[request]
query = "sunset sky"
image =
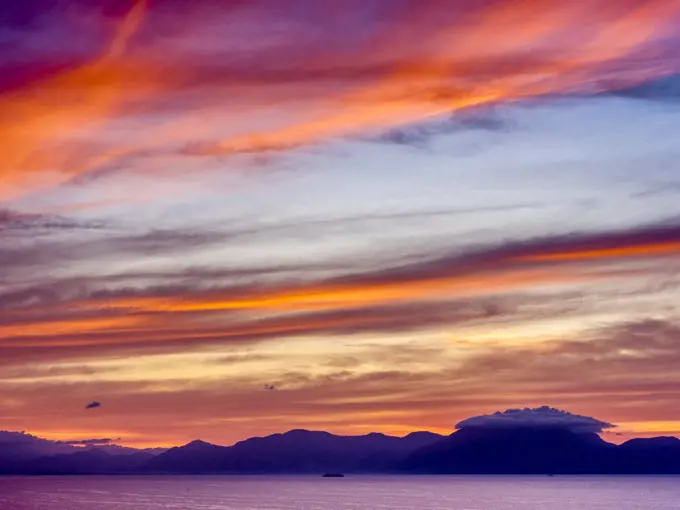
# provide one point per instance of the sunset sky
(227, 218)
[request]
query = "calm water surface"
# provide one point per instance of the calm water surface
(355, 493)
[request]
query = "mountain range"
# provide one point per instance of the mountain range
(472, 450)
(296, 451)
(22, 453)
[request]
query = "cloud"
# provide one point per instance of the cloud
(29, 250)
(420, 134)
(10, 438)
(655, 190)
(494, 283)
(24, 445)
(81, 335)
(648, 349)
(93, 405)
(90, 442)
(536, 418)
(11, 220)
(101, 244)
(310, 80)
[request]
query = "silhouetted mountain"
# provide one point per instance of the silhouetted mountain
(522, 450)
(652, 443)
(22, 453)
(483, 445)
(296, 451)
(657, 455)
(88, 462)
(543, 450)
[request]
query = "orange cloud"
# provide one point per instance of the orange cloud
(443, 78)
(339, 296)
(66, 327)
(44, 127)
(60, 127)
(230, 316)
(645, 250)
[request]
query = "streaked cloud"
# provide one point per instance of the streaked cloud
(148, 93)
(466, 285)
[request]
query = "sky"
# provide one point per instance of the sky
(231, 218)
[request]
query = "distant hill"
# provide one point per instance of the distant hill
(543, 450)
(296, 451)
(513, 451)
(657, 455)
(89, 461)
(22, 453)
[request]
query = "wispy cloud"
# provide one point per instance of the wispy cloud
(172, 93)
(37, 223)
(90, 442)
(467, 285)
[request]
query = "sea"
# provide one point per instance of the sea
(349, 493)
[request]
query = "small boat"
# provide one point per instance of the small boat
(333, 475)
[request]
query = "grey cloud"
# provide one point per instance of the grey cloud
(419, 135)
(516, 254)
(170, 282)
(90, 442)
(35, 253)
(31, 255)
(11, 220)
(536, 418)
(668, 188)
